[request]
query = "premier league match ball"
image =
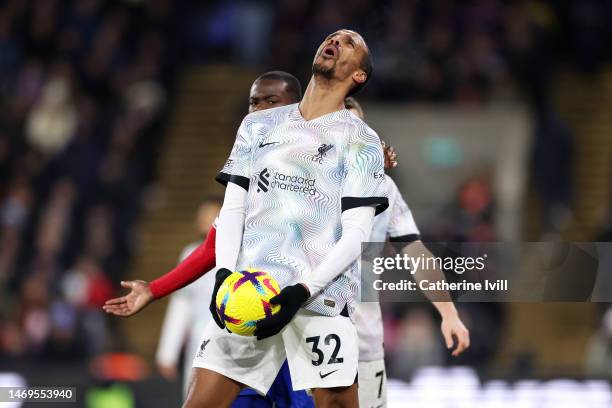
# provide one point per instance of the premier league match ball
(244, 299)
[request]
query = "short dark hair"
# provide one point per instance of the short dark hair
(293, 84)
(366, 66)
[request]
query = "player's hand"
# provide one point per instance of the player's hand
(453, 329)
(390, 155)
(290, 300)
(139, 297)
(220, 276)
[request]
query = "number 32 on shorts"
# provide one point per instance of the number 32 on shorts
(333, 343)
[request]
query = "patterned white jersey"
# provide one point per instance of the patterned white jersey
(300, 176)
(395, 224)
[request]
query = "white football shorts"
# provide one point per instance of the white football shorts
(322, 352)
(372, 384)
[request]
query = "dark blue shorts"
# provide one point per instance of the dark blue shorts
(281, 394)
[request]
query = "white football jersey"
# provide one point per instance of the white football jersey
(395, 224)
(199, 294)
(300, 176)
(185, 320)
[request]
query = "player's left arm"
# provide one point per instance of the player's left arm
(361, 201)
(356, 228)
(456, 335)
(402, 228)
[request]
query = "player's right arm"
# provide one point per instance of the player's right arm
(235, 175)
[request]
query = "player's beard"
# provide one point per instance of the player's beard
(327, 73)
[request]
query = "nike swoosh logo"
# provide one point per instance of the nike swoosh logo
(266, 144)
(325, 375)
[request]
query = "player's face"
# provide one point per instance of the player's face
(340, 55)
(269, 93)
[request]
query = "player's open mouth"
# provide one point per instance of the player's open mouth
(330, 51)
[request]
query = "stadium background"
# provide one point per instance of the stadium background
(116, 115)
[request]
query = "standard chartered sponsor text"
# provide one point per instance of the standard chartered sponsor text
(294, 183)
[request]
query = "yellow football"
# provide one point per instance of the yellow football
(244, 299)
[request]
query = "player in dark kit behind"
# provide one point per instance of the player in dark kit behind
(274, 89)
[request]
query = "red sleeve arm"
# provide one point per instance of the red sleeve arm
(201, 260)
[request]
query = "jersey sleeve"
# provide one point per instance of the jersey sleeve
(237, 168)
(402, 227)
(365, 175)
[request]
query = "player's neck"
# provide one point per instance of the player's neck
(320, 98)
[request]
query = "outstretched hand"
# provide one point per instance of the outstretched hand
(453, 329)
(139, 297)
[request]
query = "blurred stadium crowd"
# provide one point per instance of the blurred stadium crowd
(85, 89)
(442, 50)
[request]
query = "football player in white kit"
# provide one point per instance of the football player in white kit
(303, 184)
(184, 315)
(395, 224)
(184, 320)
